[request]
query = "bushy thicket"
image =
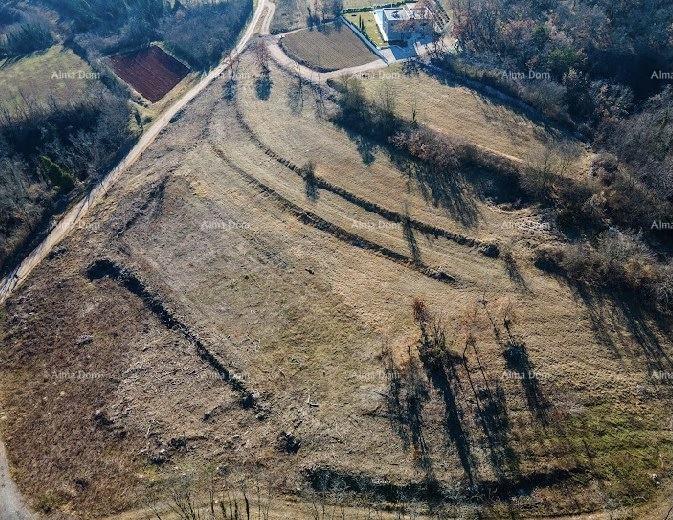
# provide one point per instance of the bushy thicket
(48, 151)
(9, 16)
(614, 261)
(644, 142)
(548, 97)
(22, 33)
(202, 34)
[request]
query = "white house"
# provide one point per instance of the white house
(399, 23)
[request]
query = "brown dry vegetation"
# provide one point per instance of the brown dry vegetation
(500, 380)
(326, 48)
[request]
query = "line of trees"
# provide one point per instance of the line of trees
(613, 210)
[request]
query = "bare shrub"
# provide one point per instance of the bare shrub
(420, 310)
(615, 261)
(208, 499)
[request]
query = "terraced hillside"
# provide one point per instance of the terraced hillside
(267, 296)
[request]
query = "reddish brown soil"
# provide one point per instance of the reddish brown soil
(151, 71)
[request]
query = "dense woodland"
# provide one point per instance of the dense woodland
(604, 59)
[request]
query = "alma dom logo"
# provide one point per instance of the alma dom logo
(660, 225)
(658, 74)
(74, 74)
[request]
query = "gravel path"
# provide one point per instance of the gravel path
(11, 503)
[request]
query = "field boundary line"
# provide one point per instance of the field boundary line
(371, 207)
(312, 219)
(131, 282)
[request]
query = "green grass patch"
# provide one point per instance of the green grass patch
(367, 21)
(56, 73)
(624, 450)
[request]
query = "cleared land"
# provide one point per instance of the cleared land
(371, 29)
(213, 255)
(327, 48)
(151, 71)
(56, 73)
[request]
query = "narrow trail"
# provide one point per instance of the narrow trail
(70, 219)
(284, 61)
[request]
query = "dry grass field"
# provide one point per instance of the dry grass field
(327, 48)
(56, 73)
(460, 111)
(219, 310)
(290, 15)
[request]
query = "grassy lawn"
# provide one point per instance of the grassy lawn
(55, 73)
(371, 29)
(461, 112)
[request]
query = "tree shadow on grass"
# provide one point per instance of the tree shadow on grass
(263, 86)
(444, 189)
(514, 273)
(405, 399)
(296, 96)
(495, 423)
(645, 327)
(493, 417)
(518, 361)
(609, 312)
(440, 369)
(310, 184)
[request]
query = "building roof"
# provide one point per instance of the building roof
(397, 13)
(406, 13)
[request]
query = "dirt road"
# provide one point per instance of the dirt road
(314, 76)
(73, 216)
